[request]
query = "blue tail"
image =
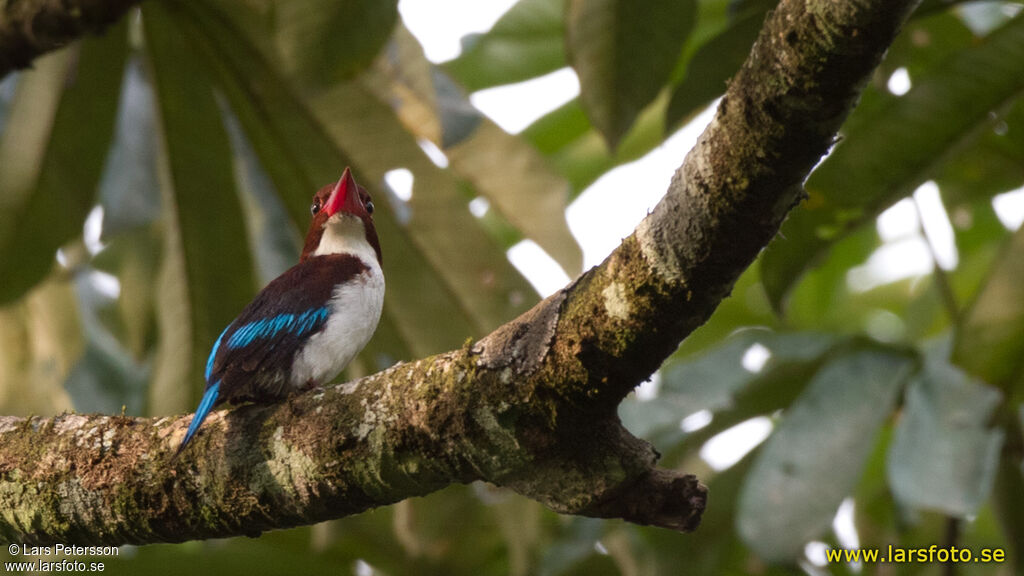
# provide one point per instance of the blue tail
(209, 399)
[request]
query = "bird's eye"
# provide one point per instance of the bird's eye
(315, 207)
(369, 207)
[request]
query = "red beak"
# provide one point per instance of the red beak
(344, 197)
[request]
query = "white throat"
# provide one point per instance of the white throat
(345, 234)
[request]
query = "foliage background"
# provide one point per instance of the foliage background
(902, 402)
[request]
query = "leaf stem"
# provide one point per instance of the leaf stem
(938, 273)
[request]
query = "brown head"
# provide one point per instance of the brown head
(336, 209)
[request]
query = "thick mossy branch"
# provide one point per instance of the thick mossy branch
(30, 28)
(327, 453)
(531, 406)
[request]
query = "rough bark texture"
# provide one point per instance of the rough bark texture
(531, 406)
(30, 28)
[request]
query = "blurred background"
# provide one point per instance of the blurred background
(861, 387)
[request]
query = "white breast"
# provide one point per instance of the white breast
(354, 310)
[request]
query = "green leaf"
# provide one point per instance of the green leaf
(816, 454)
(717, 380)
(40, 342)
(527, 41)
(995, 164)
(206, 236)
(520, 185)
(324, 41)
(714, 378)
(990, 342)
(875, 510)
(52, 153)
(944, 456)
(711, 66)
(624, 52)
(133, 257)
(576, 150)
(902, 144)
(558, 129)
(502, 167)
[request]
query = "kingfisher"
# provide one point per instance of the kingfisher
(310, 322)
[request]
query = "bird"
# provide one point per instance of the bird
(307, 324)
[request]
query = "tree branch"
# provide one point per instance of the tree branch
(31, 28)
(532, 405)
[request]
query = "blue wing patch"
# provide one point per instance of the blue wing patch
(295, 324)
(213, 353)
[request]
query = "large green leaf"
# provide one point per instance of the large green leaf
(527, 41)
(993, 165)
(944, 456)
(52, 153)
(204, 222)
(815, 457)
(558, 129)
(711, 66)
(887, 155)
(40, 342)
(133, 257)
(714, 378)
(502, 167)
(721, 381)
(990, 341)
(624, 52)
(577, 151)
(324, 41)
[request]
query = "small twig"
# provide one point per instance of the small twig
(941, 278)
(952, 536)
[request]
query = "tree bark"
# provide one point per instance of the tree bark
(532, 406)
(30, 28)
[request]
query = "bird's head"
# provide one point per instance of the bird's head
(342, 221)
